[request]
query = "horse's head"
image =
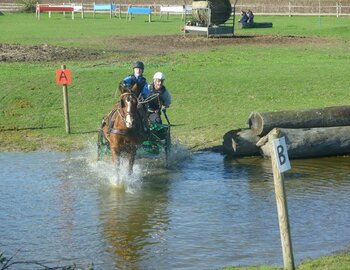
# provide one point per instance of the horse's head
(128, 105)
(125, 88)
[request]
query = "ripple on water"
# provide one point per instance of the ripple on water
(206, 211)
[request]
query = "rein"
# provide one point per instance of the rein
(147, 99)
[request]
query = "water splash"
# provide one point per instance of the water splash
(178, 154)
(120, 178)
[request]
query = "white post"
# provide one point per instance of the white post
(290, 9)
(37, 11)
(129, 15)
(319, 7)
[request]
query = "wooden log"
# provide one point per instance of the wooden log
(262, 123)
(241, 143)
(311, 142)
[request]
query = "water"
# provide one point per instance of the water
(206, 212)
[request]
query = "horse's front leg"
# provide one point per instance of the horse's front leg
(131, 154)
(115, 157)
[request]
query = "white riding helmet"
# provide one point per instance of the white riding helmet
(159, 76)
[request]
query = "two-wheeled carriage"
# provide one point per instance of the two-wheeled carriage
(157, 144)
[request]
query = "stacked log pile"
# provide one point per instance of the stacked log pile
(308, 133)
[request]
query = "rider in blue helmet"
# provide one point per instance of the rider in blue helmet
(137, 78)
(142, 90)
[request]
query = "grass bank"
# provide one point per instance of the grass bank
(214, 88)
(340, 261)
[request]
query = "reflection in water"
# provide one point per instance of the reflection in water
(132, 222)
(205, 213)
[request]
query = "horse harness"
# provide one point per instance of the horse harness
(112, 116)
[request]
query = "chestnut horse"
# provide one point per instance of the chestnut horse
(123, 126)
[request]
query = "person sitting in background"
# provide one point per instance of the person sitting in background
(250, 16)
(161, 100)
(244, 17)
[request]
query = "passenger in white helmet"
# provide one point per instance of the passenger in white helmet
(161, 100)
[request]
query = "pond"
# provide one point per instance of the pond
(206, 212)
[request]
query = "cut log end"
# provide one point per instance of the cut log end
(256, 123)
(240, 142)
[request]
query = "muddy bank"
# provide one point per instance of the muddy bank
(44, 52)
(131, 45)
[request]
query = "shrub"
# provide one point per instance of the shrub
(29, 5)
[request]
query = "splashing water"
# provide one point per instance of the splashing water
(109, 174)
(120, 177)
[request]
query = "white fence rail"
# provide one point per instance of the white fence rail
(316, 8)
(11, 7)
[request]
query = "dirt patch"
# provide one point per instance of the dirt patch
(150, 45)
(165, 44)
(44, 52)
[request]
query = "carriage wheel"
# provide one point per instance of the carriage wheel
(102, 146)
(99, 145)
(167, 148)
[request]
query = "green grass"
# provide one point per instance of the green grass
(213, 90)
(324, 26)
(340, 261)
(87, 32)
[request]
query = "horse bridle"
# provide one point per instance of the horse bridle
(121, 112)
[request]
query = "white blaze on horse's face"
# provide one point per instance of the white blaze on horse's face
(128, 118)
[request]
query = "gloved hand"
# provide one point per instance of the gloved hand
(163, 109)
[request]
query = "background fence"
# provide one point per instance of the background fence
(289, 8)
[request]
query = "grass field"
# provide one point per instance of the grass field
(214, 88)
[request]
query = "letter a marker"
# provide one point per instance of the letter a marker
(63, 77)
